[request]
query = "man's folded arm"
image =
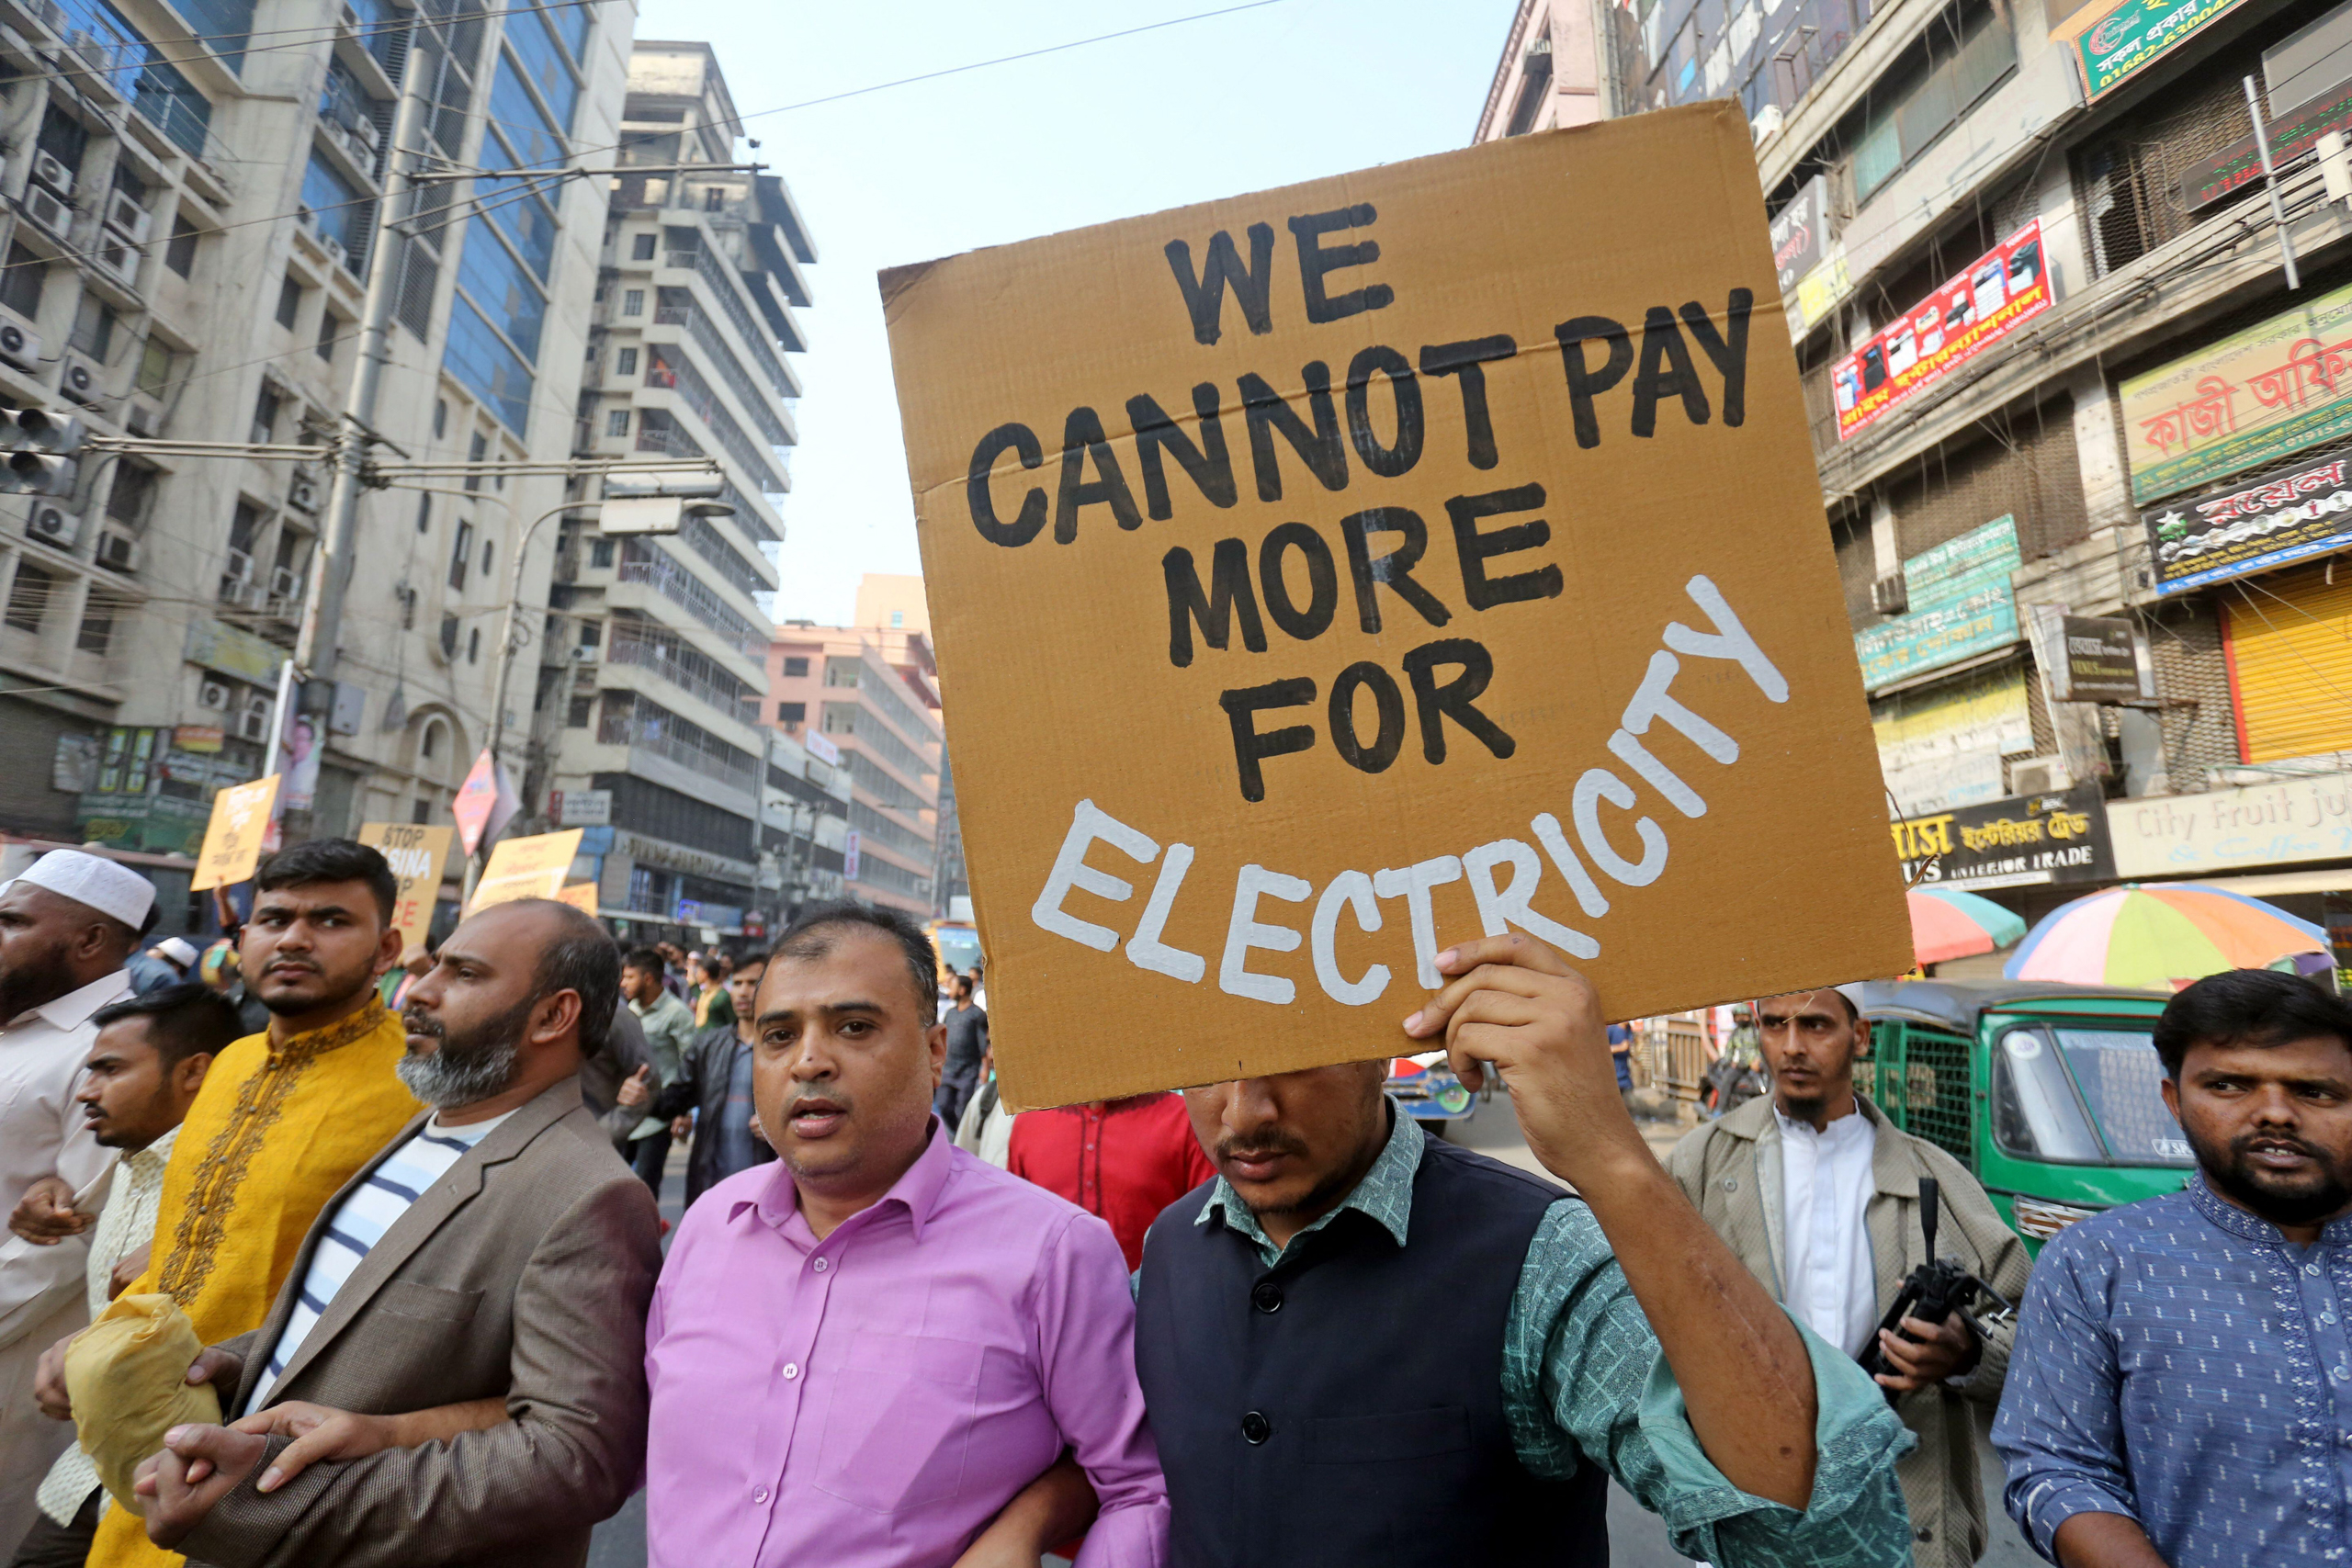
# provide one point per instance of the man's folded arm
(1086, 1334)
(569, 1457)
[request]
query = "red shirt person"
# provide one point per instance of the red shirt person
(1123, 1159)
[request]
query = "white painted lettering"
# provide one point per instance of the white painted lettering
(1353, 890)
(1088, 823)
(1245, 931)
(1500, 909)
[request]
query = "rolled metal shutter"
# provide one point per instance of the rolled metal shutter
(2288, 640)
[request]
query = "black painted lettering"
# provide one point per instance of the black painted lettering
(1227, 598)
(1315, 260)
(1022, 441)
(1322, 581)
(1395, 568)
(1404, 392)
(1268, 414)
(1666, 372)
(1387, 703)
(1476, 549)
(1250, 747)
(1252, 286)
(1584, 382)
(1207, 465)
(1728, 349)
(1083, 438)
(1453, 699)
(1466, 361)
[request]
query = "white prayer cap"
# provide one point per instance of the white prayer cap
(111, 889)
(178, 950)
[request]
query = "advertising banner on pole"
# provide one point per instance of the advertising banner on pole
(240, 813)
(2005, 288)
(1279, 558)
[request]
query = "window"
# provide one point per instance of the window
(20, 281)
(341, 210)
(489, 550)
(440, 418)
(330, 329)
(581, 711)
(419, 812)
(449, 650)
(2120, 1075)
(796, 669)
(423, 513)
(503, 291)
(616, 422)
(792, 713)
(1962, 58)
(482, 361)
(641, 246)
(713, 198)
(158, 368)
(633, 302)
(431, 744)
(134, 493)
(264, 416)
(289, 302)
(473, 646)
(898, 619)
(475, 452)
(29, 597)
(600, 553)
(2035, 1113)
(179, 252)
(244, 523)
(93, 328)
(96, 633)
(462, 557)
(842, 671)
(625, 362)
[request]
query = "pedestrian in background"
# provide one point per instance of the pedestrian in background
(986, 1130)
(1818, 1197)
(713, 1088)
(167, 963)
(1123, 1159)
(2181, 1389)
(968, 1043)
(711, 1005)
(669, 1026)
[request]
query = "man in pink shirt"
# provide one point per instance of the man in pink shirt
(874, 1350)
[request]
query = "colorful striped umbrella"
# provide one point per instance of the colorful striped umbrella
(1948, 923)
(2159, 937)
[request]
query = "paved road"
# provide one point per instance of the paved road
(1636, 1538)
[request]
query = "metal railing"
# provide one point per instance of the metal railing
(654, 734)
(699, 325)
(652, 565)
(666, 659)
(674, 372)
(725, 286)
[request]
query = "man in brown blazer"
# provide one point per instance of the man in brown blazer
(1819, 1196)
(466, 1322)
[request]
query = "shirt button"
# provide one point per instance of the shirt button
(761, 1495)
(1256, 1428)
(2312, 1270)
(1266, 1296)
(822, 1264)
(791, 1371)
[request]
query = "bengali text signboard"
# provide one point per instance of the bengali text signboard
(2121, 40)
(2303, 509)
(2005, 288)
(1961, 607)
(2021, 842)
(1278, 567)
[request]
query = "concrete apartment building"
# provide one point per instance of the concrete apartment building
(189, 215)
(871, 693)
(2134, 451)
(653, 676)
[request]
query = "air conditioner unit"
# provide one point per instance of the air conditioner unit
(53, 173)
(213, 694)
(48, 211)
(239, 568)
(20, 344)
(117, 257)
(53, 524)
(333, 248)
(302, 495)
(83, 381)
(127, 217)
(306, 219)
(51, 15)
(583, 653)
(253, 724)
(369, 136)
(284, 583)
(1890, 595)
(142, 418)
(118, 551)
(2038, 775)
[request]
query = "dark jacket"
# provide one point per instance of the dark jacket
(703, 1076)
(602, 1074)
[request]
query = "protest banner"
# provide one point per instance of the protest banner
(416, 854)
(240, 813)
(581, 896)
(532, 867)
(2000, 291)
(1453, 563)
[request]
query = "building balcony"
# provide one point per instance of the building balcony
(674, 664)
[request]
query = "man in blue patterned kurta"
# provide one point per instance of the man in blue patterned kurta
(2180, 1392)
(1361, 1345)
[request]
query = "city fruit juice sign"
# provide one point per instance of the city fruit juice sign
(1325, 576)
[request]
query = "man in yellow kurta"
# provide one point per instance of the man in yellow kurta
(286, 1117)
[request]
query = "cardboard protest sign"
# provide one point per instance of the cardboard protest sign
(581, 896)
(532, 867)
(416, 854)
(240, 815)
(1325, 576)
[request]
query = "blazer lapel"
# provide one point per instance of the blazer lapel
(433, 1208)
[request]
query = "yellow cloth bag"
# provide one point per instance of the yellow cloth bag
(127, 1375)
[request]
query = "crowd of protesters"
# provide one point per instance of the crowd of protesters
(384, 1282)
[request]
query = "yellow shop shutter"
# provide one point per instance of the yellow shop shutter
(2288, 638)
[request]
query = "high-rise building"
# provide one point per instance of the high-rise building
(653, 674)
(891, 602)
(2075, 364)
(191, 213)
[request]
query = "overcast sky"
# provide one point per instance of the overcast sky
(1288, 92)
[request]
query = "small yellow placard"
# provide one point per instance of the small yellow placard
(233, 838)
(534, 867)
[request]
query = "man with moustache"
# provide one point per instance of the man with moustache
(930, 1335)
(2181, 1396)
(284, 1118)
(1819, 1198)
(148, 1061)
(1363, 1344)
(715, 1084)
(451, 1374)
(67, 926)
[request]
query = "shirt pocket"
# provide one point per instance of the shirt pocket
(899, 1425)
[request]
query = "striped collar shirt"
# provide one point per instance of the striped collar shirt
(359, 1222)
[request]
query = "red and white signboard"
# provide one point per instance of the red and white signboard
(2007, 287)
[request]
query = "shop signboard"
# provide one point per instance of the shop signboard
(151, 787)
(1942, 746)
(2256, 397)
(233, 651)
(2287, 515)
(581, 807)
(1801, 234)
(2000, 291)
(1283, 651)
(2122, 39)
(2026, 841)
(2291, 135)
(2101, 662)
(1823, 289)
(2234, 829)
(1961, 607)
